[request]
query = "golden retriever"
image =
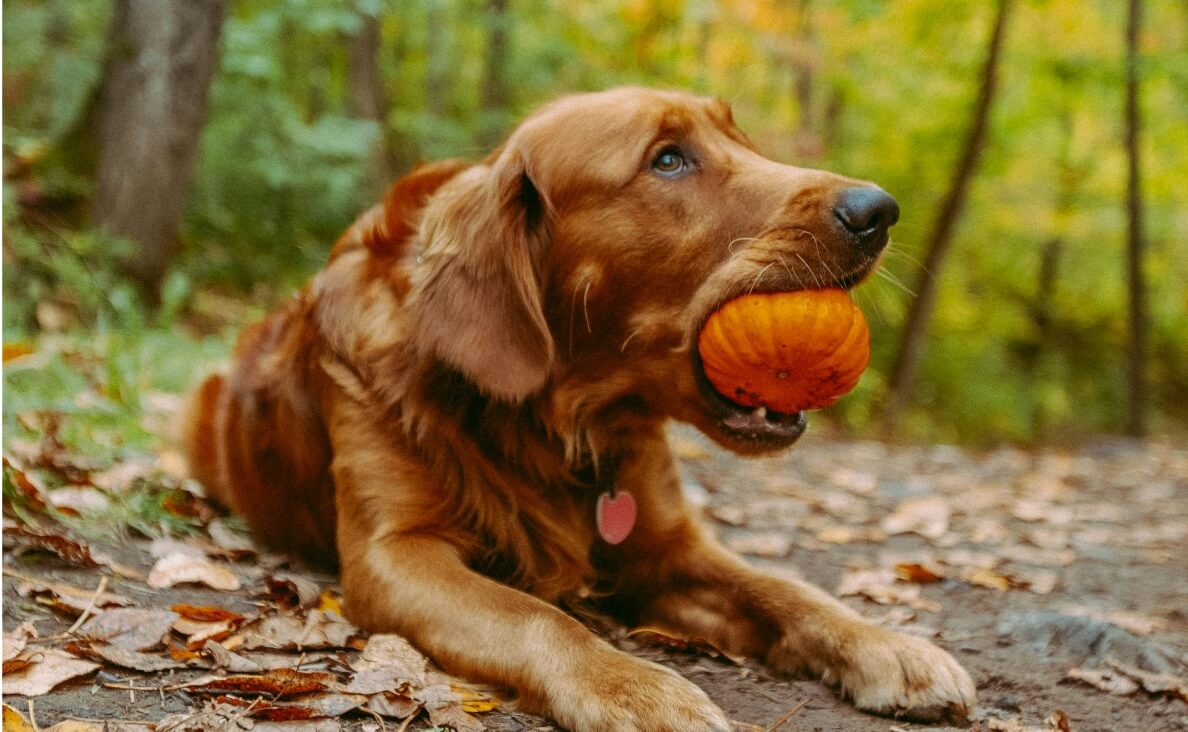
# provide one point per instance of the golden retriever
(460, 406)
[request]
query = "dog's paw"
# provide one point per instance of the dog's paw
(633, 695)
(899, 675)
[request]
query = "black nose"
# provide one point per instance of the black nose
(867, 213)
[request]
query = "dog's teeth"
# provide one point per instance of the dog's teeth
(761, 412)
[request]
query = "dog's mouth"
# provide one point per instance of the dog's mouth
(749, 429)
(758, 429)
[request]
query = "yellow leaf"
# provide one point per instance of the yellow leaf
(330, 601)
(14, 721)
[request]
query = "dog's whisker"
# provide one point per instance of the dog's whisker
(759, 276)
(808, 269)
(572, 315)
(586, 307)
(623, 348)
(730, 246)
(889, 277)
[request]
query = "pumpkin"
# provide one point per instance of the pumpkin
(786, 351)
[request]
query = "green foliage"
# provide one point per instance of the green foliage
(284, 167)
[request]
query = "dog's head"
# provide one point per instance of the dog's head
(585, 254)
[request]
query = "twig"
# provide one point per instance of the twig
(90, 605)
(127, 687)
(408, 720)
(780, 722)
(32, 717)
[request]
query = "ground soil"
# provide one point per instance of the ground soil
(1107, 521)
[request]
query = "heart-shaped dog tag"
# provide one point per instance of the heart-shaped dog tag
(615, 516)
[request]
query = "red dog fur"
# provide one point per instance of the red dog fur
(497, 344)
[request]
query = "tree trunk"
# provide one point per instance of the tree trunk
(495, 93)
(807, 142)
(436, 60)
(903, 373)
(162, 56)
(1136, 421)
(368, 100)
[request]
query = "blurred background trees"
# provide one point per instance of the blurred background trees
(127, 205)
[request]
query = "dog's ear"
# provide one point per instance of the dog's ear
(476, 298)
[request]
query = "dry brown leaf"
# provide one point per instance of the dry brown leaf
(879, 585)
(14, 721)
(445, 709)
(46, 669)
(179, 568)
(205, 613)
(392, 656)
(661, 637)
(770, 544)
(100, 725)
(224, 717)
(70, 599)
(1153, 683)
(986, 578)
(15, 641)
(278, 682)
(232, 542)
(78, 499)
(1105, 679)
(919, 573)
(291, 592)
(225, 660)
(124, 657)
(1136, 623)
(133, 629)
(398, 705)
(927, 516)
(288, 632)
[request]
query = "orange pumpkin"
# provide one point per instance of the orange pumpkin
(786, 351)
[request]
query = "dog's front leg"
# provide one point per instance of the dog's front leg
(673, 574)
(401, 579)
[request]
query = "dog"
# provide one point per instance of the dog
(466, 408)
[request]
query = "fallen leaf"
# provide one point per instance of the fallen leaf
(388, 659)
(920, 574)
(179, 568)
(14, 721)
(205, 613)
(769, 544)
(133, 629)
(445, 709)
(100, 725)
(1104, 679)
(123, 657)
(660, 637)
(1136, 623)
(287, 632)
(398, 705)
(291, 592)
(278, 682)
(68, 598)
(986, 578)
(1153, 683)
(880, 585)
(236, 544)
(26, 538)
(330, 601)
(45, 671)
(15, 641)
(927, 516)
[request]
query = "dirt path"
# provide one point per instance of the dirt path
(1025, 565)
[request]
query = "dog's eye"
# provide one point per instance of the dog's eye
(670, 161)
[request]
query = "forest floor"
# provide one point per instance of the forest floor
(1058, 578)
